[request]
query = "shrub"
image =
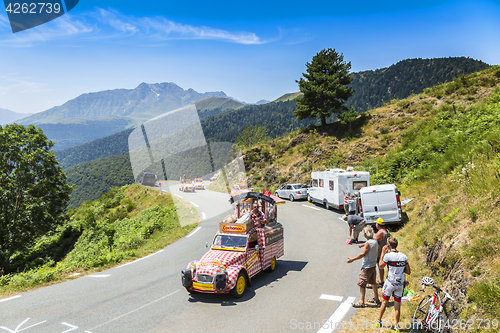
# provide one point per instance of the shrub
(486, 294)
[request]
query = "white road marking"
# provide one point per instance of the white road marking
(18, 328)
(9, 298)
(311, 207)
(100, 275)
(192, 203)
(331, 297)
(337, 316)
(203, 216)
(71, 327)
(177, 195)
(129, 263)
(193, 232)
(139, 308)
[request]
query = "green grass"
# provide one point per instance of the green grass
(124, 224)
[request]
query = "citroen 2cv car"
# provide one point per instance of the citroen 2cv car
(239, 250)
(186, 185)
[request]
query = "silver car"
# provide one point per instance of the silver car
(292, 191)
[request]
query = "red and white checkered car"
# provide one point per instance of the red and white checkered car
(239, 250)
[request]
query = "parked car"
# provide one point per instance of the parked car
(380, 201)
(148, 179)
(292, 191)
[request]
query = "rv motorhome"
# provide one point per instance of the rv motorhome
(328, 187)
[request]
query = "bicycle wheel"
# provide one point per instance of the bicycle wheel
(418, 320)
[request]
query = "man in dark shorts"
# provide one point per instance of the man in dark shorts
(368, 274)
(356, 225)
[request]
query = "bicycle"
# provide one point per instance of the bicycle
(429, 316)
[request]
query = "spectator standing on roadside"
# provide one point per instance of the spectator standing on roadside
(381, 237)
(351, 203)
(347, 197)
(356, 224)
(398, 266)
(368, 274)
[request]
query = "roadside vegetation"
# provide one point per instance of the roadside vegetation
(440, 147)
(124, 224)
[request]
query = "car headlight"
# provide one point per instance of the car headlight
(222, 269)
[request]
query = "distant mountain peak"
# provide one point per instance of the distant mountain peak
(144, 102)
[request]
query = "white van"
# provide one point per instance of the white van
(380, 201)
(328, 187)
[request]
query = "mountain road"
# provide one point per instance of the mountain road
(311, 285)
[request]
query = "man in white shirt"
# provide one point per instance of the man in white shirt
(398, 266)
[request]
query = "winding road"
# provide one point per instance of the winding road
(312, 284)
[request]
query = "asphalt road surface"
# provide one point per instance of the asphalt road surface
(312, 285)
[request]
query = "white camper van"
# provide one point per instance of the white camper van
(380, 201)
(328, 187)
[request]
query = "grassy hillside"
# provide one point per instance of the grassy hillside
(124, 224)
(440, 147)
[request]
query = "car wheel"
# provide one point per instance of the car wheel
(276, 194)
(240, 287)
(309, 199)
(291, 197)
(327, 205)
(273, 265)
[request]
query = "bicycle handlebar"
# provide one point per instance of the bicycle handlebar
(446, 295)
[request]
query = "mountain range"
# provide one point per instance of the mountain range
(96, 115)
(8, 117)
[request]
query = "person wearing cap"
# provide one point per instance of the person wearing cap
(381, 237)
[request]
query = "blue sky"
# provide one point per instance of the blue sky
(251, 51)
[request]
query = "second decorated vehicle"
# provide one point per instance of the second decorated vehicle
(240, 250)
(186, 185)
(198, 183)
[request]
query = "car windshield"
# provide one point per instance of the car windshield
(297, 186)
(230, 241)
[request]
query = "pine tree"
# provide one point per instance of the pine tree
(324, 86)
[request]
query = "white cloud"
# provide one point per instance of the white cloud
(110, 23)
(12, 82)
